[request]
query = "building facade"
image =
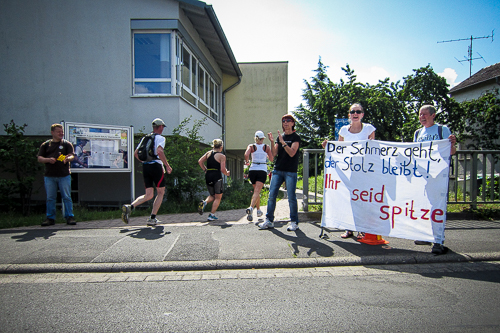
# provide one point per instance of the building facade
(123, 63)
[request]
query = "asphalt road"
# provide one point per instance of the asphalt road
(439, 297)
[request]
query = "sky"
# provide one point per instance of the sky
(378, 39)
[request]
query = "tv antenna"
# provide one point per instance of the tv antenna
(469, 57)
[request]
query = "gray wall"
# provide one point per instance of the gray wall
(71, 60)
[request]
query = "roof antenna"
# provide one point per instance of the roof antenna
(469, 57)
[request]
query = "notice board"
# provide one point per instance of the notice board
(100, 148)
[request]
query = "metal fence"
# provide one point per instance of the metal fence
(474, 177)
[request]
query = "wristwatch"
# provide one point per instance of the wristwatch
(284, 145)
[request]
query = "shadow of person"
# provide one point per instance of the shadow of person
(146, 233)
(299, 239)
(34, 234)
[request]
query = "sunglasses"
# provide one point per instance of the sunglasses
(287, 120)
(355, 111)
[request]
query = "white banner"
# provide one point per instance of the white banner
(387, 188)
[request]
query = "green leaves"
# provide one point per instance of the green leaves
(19, 164)
(392, 107)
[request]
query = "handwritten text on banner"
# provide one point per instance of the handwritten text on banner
(387, 188)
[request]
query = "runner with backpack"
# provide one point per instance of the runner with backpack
(150, 152)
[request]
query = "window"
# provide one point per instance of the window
(152, 66)
(164, 65)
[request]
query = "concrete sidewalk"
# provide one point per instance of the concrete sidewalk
(189, 242)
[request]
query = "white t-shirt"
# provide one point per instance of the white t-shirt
(366, 130)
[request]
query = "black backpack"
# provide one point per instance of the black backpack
(146, 149)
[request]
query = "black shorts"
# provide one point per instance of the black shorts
(257, 176)
(153, 175)
(214, 182)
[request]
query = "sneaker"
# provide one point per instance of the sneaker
(293, 226)
(126, 210)
(48, 222)
(259, 213)
(152, 222)
(71, 220)
(249, 213)
(212, 217)
(201, 207)
(266, 224)
(417, 242)
(438, 249)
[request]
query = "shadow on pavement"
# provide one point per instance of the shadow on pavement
(34, 234)
(299, 239)
(146, 233)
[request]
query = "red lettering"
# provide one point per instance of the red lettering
(355, 195)
(424, 216)
(384, 212)
(437, 212)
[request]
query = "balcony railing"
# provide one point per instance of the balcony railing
(474, 177)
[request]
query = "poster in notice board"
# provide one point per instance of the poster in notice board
(100, 148)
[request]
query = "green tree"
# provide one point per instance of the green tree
(480, 119)
(183, 149)
(19, 165)
(392, 107)
(424, 86)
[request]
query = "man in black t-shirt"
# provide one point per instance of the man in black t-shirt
(285, 148)
(57, 154)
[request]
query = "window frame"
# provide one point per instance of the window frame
(170, 80)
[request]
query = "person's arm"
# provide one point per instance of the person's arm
(202, 161)
(44, 160)
(247, 154)
(291, 151)
(163, 158)
(341, 138)
(273, 145)
(223, 165)
(136, 155)
(270, 154)
(371, 136)
(453, 140)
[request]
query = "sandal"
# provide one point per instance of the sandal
(360, 235)
(347, 234)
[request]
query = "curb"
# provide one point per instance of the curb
(243, 264)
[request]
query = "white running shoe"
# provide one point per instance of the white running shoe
(266, 224)
(126, 210)
(293, 226)
(152, 222)
(259, 213)
(249, 212)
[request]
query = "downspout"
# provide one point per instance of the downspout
(224, 111)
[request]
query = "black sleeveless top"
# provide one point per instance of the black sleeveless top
(213, 169)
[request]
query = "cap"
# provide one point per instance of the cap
(259, 134)
(158, 122)
(288, 116)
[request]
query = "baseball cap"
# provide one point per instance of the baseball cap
(259, 134)
(288, 116)
(158, 122)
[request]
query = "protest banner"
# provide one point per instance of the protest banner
(387, 188)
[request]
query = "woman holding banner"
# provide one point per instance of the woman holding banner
(356, 130)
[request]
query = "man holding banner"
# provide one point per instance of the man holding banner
(388, 188)
(429, 132)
